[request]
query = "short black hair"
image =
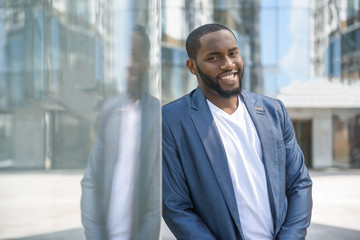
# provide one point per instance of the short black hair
(193, 40)
(142, 32)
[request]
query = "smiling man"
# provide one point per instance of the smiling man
(232, 168)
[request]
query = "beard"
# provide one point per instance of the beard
(213, 83)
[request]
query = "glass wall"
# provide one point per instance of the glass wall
(350, 50)
(78, 78)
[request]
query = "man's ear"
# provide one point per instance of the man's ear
(190, 63)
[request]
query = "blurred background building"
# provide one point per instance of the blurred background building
(60, 59)
(326, 112)
(48, 63)
(335, 39)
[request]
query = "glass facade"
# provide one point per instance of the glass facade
(59, 60)
(334, 39)
(350, 54)
(342, 35)
(344, 56)
(72, 75)
(334, 67)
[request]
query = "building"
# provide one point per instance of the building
(334, 55)
(43, 115)
(335, 39)
(326, 118)
(58, 61)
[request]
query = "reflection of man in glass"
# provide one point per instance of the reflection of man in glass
(139, 63)
(121, 185)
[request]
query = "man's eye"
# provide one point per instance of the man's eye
(234, 53)
(211, 59)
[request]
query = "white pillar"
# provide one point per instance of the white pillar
(322, 142)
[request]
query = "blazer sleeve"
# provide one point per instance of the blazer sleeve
(90, 205)
(178, 211)
(298, 186)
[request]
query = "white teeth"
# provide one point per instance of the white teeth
(228, 76)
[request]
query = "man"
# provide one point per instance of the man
(232, 168)
(121, 185)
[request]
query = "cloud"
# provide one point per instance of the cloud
(300, 4)
(295, 62)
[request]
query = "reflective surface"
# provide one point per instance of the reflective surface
(59, 61)
(79, 79)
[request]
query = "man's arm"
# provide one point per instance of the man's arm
(90, 205)
(298, 187)
(178, 210)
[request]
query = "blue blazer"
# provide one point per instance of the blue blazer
(198, 196)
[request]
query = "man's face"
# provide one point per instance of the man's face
(138, 63)
(219, 66)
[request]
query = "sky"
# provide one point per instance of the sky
(284, 40)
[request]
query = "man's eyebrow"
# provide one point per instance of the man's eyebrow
(215, 53)
(233, 49)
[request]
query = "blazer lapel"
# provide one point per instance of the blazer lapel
(261, 121)
(214, 148)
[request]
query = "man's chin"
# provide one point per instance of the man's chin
(229, 93)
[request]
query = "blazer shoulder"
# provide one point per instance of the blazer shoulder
(267, 102)
(178, 106)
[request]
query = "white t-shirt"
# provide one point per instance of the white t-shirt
(244, 154)
(120, 213)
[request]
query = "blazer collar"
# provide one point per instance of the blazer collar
(198, 99)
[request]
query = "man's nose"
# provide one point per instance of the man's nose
(227, 64)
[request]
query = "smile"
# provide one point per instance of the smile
(228, 76)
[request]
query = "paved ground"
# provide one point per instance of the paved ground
(45, 205)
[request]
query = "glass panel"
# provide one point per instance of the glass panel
(79, 79)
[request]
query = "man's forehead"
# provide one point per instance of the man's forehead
(214, 40)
